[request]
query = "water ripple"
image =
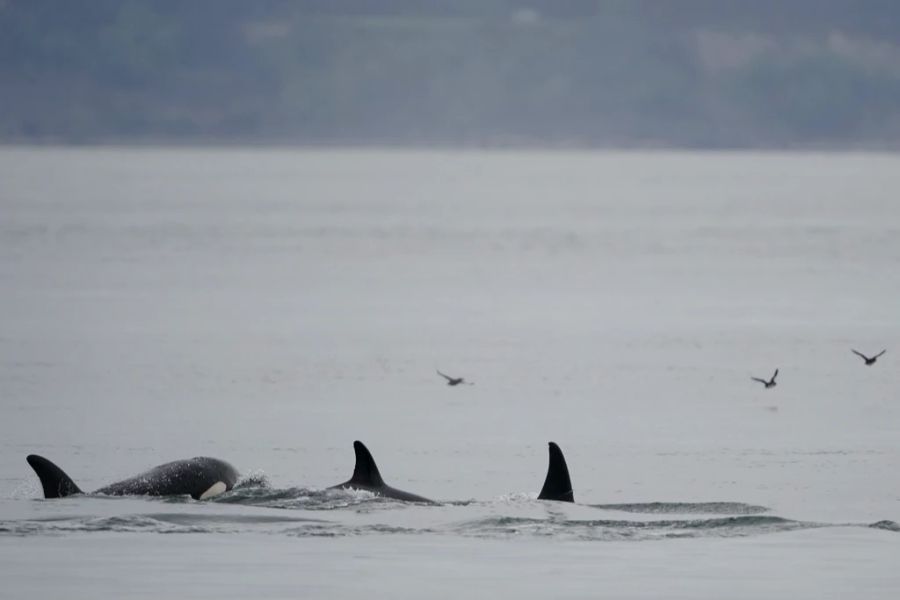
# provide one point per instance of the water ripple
(603, 529)
(719, 508)
(307, 499)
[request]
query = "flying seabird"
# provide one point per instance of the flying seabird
(454, 380)
(769, 383)
(869, 361)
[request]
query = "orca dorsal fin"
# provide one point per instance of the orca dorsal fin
(54, 480)
(365, 473)
(557, 485)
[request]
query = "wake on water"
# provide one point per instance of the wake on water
(725, 519)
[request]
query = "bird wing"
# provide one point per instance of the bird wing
(447, 377)
(879, 354)
(759, 380)
(775, 374)
(859, 354)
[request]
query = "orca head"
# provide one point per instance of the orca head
(557, 485)
(211, 477)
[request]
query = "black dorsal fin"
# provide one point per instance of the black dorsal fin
(365, 473)
(557, 486)
(55, 482)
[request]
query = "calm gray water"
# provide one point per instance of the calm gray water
(270, 307)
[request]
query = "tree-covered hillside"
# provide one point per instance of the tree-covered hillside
(694, 73)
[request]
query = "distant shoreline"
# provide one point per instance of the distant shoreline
(200, 144)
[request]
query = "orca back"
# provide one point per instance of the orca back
(365, 472)
(366, 477)
(557, 485)
(199, 477)
(54, 480)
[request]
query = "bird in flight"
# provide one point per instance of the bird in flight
(769, 383)
(454, 380)
(869, 360)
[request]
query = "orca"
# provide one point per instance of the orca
(200, 477)
(366, 477)
(557, 485)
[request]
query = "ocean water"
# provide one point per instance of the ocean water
(268, 307)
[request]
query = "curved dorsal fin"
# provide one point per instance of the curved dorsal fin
(365, 473)
(557, 485)
(54, 480)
